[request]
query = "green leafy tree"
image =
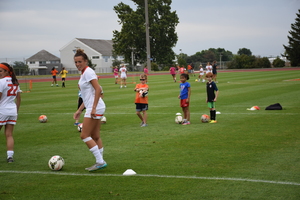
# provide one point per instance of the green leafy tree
(244, 51)
(91, 65)
(293, 48)
(162, 25)
(263, 62)
(278, 63)
(20, 68)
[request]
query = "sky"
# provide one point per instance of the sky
(26, 27)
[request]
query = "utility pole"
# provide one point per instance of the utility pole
(147, 36)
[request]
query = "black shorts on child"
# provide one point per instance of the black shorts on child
(141, 107)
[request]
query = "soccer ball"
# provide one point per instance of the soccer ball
(79, 127)
(143, 93)
(56, 163)
(178, 119)
(103, 120)
(43, 118)
(205, 118)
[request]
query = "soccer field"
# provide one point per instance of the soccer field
(246, 155)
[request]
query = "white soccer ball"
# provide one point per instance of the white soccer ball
(178, 119)
(79, 127)
(205, 118)
(56, 163)
(43, 118)
(103, 120)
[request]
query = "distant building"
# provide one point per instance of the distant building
(42, 62)
(99, 51)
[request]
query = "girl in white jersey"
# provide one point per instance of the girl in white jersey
(9, 92)
(95, 108)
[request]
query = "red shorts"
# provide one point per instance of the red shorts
(183, 103)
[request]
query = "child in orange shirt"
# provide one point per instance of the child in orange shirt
(54, 72)
(141, 100)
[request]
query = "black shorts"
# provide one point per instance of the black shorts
(141, 107)
(80, 101)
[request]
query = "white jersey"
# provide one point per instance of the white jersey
(87, 90)
(9, 92)
(201, 71)
(123, 71)
(208, 68)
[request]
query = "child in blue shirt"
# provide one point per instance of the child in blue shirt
(184, 96)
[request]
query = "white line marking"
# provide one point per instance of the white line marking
(153, 175)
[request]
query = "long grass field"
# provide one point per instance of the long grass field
(246, 155)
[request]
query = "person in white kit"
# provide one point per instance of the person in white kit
(208, 68)
(95, 108)
(123, 75)
(10, 100)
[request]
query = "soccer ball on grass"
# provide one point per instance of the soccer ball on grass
(178, 119)
(205, 118)
(56, 163)
(43, 118)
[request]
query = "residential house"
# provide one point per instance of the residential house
(42, 62)
(99, 51)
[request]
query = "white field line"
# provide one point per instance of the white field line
(153, 175)
(151, 113)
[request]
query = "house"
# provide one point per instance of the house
(99, 51)
(42, 62)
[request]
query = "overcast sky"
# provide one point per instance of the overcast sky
(28, 26)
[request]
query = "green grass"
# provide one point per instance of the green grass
(246, 155)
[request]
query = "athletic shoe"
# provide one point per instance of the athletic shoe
(56, 85)
(10, 160)
(76, 124)
(51, 85)
(141, 123)
(125, 86)
(213, 121)
(121, 86)
(186, 123)
(96, 167)
(144, 125)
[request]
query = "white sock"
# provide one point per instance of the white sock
(10, 154)
(96, 152)
(101, 151)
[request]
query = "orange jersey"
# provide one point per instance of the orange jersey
(189, 67)
(139, 99)
(54, 72)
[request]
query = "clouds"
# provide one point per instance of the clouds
(27, 27)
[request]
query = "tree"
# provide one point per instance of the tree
(293, 49)
(132, 37)
(20, 68)
(91, 65)
(278, 63)
(244, 51)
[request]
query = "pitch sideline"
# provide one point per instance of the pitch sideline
(154, 175)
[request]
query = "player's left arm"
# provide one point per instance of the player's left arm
(189, 94)
(18, 101)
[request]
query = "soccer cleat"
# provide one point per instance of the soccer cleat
(213, 121)
(186, 123)
(10, 160)
(144, 125)
(96, 167)
(76, 124)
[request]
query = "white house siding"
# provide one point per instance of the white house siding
(67, 57)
